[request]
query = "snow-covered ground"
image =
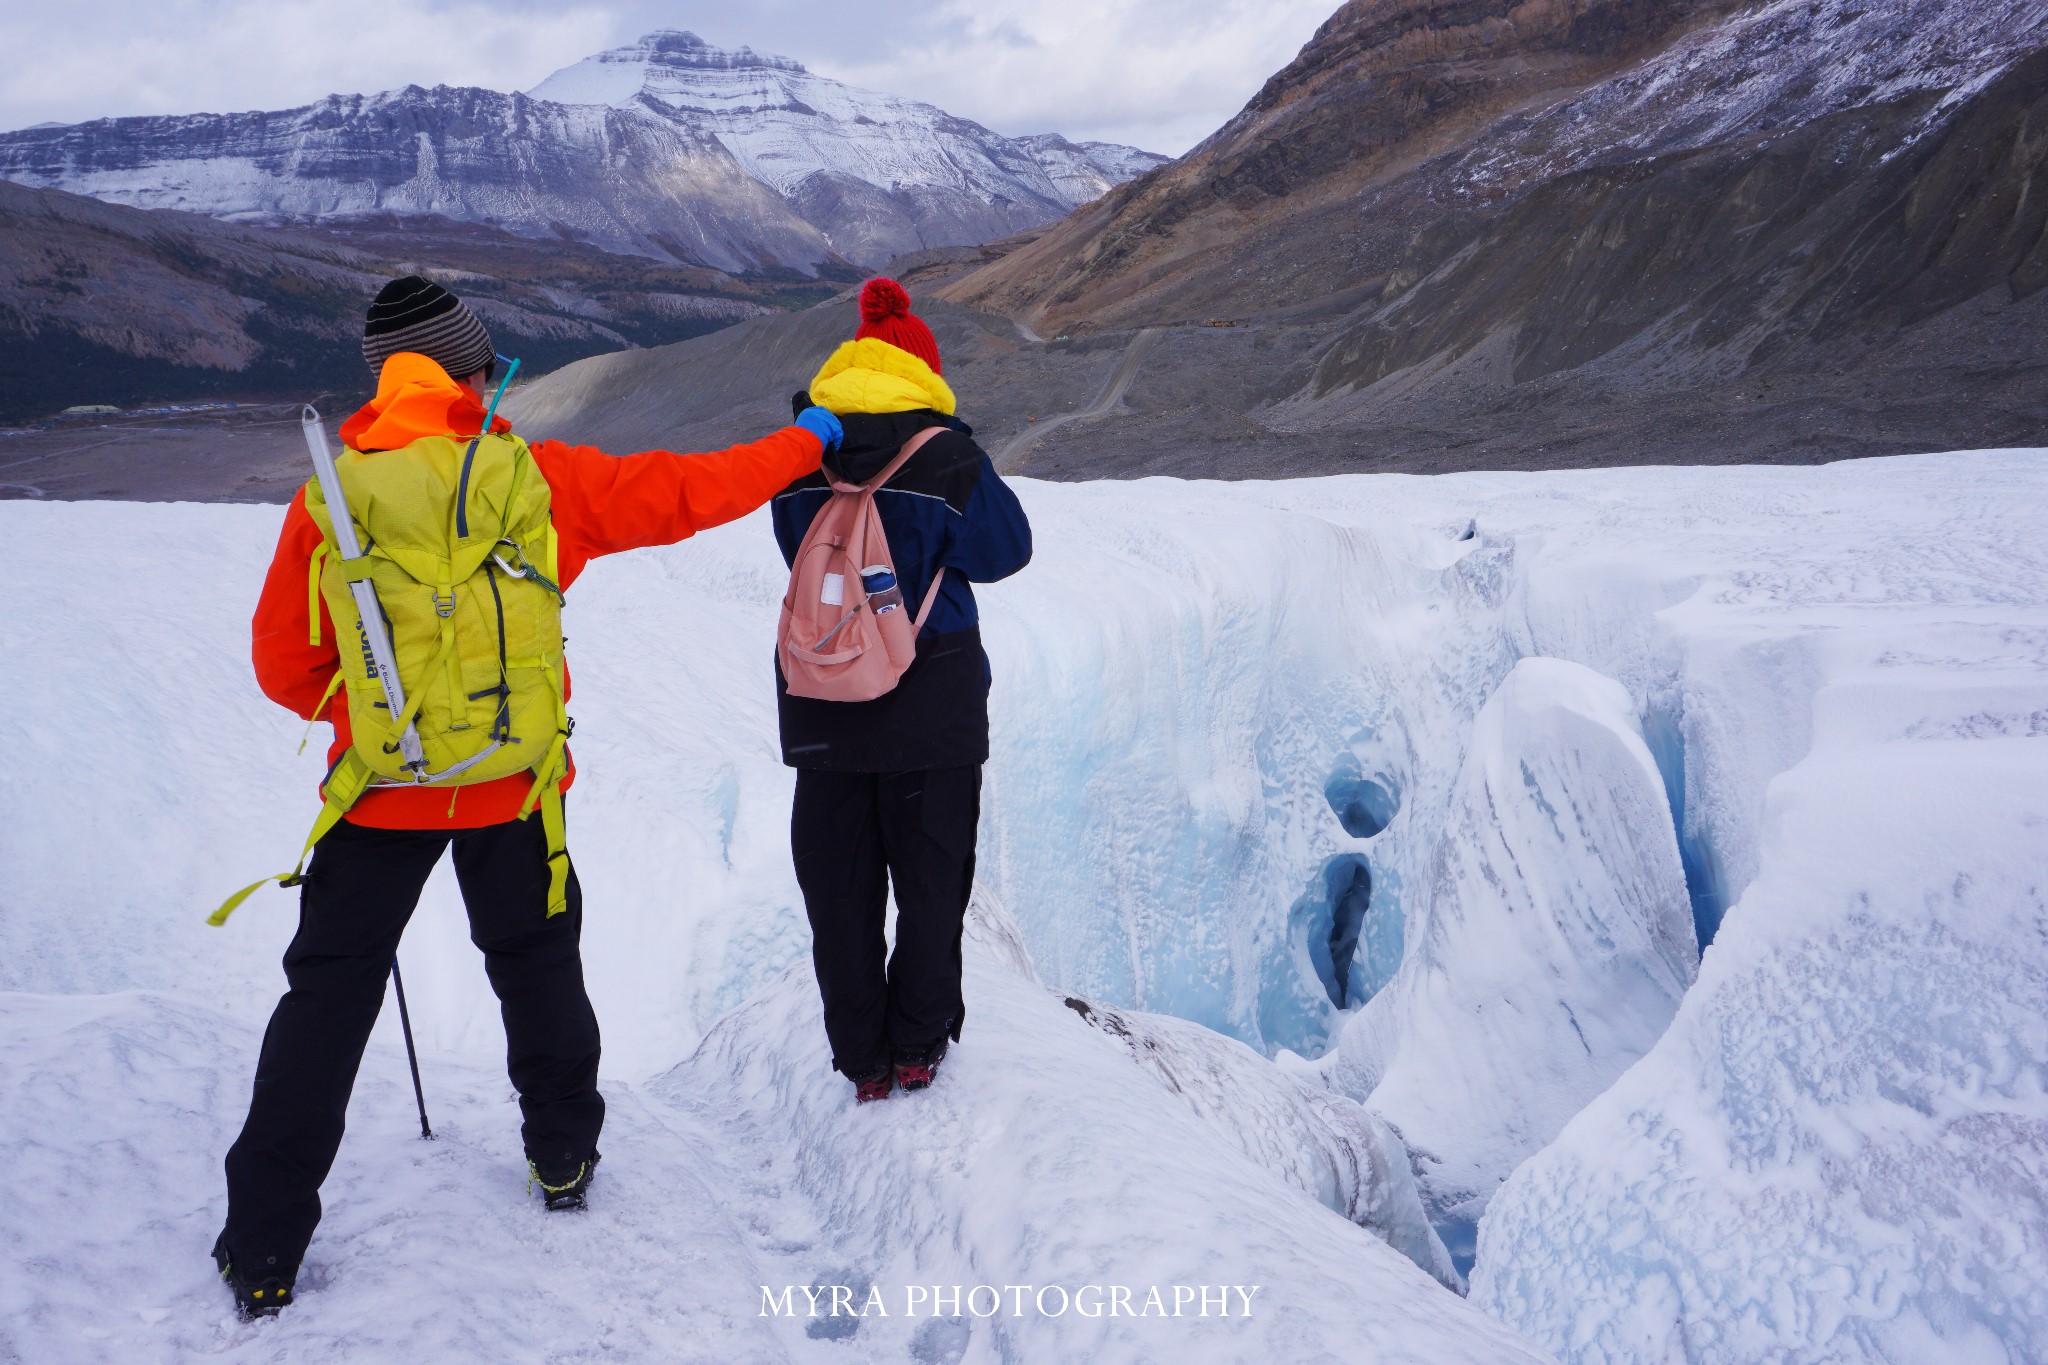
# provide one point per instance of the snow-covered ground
(1530, 737)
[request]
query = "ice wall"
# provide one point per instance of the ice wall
(1210, 713)
(1558, 945)
(1838, 1150)
(1322, 1144)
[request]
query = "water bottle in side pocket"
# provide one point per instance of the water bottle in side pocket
(879, 582)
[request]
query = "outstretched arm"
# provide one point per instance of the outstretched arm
(604, 504)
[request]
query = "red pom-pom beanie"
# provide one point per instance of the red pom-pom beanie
(885, 315)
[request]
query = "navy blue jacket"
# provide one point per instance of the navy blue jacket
(947, 507)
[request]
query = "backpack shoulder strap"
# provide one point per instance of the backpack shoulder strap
(895, 466)
(931, 597)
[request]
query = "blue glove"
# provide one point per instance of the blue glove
(822, 424)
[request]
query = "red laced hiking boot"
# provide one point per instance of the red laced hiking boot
(915, 1070)
(876, 1087)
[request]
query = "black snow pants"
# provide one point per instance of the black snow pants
(358, 894)
(853, 834)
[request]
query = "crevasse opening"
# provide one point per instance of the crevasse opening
(1364, 805)
(1346, 929)
(1347, 883)
(1705, 887)
(1364, 942)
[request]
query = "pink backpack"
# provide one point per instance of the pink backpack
(836, 641)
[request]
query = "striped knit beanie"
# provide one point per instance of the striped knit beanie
(417, 315)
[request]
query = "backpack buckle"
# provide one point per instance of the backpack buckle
(447, 608)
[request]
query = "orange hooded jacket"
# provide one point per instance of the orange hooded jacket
(602, 504)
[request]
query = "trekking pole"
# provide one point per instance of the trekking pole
(412, 1058)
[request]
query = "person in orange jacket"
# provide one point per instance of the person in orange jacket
(433, 360)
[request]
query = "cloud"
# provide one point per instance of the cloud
(1162, 74)
(87, 59)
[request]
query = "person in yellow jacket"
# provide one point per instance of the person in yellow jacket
(888, 792)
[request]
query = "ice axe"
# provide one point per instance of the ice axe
(383, 659)
(356, 570)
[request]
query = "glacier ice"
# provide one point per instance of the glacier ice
(1047, 1156)
(1558, 939)
(1322, 1144)
(1832, 677)
(1053, 1152)
(1840, 1149)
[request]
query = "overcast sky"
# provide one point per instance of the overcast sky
(1161, 74)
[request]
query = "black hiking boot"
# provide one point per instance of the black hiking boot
(260, 1292)
(917, 1068)
(562, 1185)
(873, 1086)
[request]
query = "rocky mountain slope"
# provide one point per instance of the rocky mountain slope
(1085, 171)
(1383, 85)
(718, 389)
(101, 303)
(1489, 232)
(666, 148)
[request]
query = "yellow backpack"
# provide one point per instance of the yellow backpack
(462, 556)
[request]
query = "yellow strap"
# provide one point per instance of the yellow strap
(357, 569)
(228, 906)
(318, 712)
(462, 709)
(553, 763)
(533, 1178)
(319, 556)
(546, 792)
(412, 703)
(556, 828)
(343, 789)
(544, 772)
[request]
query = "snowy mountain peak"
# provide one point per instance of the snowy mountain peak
(658, 62)
(680, 47)
(1088, 170)
(667, 147)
